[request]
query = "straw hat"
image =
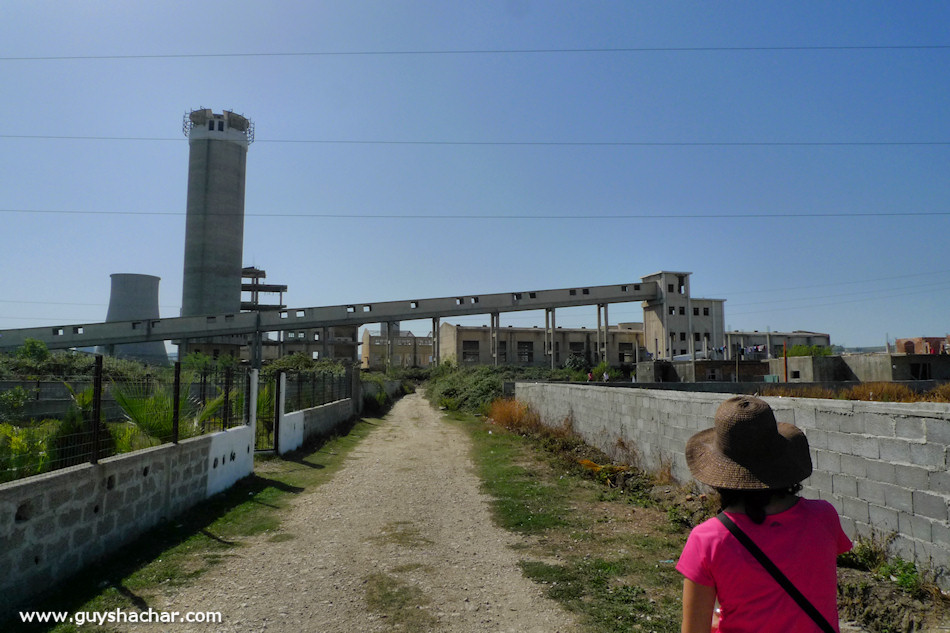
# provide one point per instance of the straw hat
(748, 450)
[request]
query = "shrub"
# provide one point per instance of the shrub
(22, 452)
(514, 416)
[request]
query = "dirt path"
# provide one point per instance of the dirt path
(404, 523)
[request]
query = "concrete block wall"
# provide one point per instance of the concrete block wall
(54, 524)
(883, 466)
(299, 426)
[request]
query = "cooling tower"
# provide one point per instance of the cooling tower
(214, 229)
(135, 298)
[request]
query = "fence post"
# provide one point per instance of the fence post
(278, 402)
(96, 408)
(226, 423)
(176, 403)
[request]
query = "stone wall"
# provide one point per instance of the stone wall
(54, 524)
(883, 466)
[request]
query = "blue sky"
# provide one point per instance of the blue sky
(406, 150)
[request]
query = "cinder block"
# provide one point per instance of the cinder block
(918, 527)
(898, 498)
(817, 439)
(930, 505)
(903, 546)
(845, 485)
(883, 519)
(941, 533)
(871, 491)
(821, 481)
(854, 465)
(939, 482)
(828, 461)
(878, 425)
(865, 446)
(937, 431)
(913, 477)
(909, 428)
(893, 450)
(840, 443)
(936, 556)
(852, 424)
(929, 455)
(881, 471)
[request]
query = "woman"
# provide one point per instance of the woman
(757, 466)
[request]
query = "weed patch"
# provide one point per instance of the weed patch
(401, 604)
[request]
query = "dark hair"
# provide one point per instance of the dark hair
(754, 501)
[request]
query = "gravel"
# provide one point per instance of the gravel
(406, 507)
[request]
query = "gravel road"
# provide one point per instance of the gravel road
(406, 511)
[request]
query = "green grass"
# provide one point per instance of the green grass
(615, 579)
(403, 605)
(524, 502)
(176, 553)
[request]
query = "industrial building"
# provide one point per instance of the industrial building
(381, 350)
(468, 345)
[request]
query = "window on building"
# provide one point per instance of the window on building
(682, 336)
(211, 125)
(502, 352)
(696, 336)
(672, 310)
(469, 351)
(525, 351)
(626, 353)
(695, 311)
(670, 288)
(795, 375)
(576, 348)
(705, 311)
(682, 310)
(220, 126)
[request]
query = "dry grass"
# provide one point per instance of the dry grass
(515, 416)
(868, 391)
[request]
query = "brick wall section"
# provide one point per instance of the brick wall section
(883, 466)
(54, 524)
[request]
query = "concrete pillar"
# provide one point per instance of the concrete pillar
(495, 323)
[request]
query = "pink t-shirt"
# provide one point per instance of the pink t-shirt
(804, 542)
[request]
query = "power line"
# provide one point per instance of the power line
(495, 51)
(469, 216)
(451, 143)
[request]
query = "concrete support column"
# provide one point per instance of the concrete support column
(436, 352)
(391, 341)
(606, 356)
(493, 336)
(597, 358)
(689, 322)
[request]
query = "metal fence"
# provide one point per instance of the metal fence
(308, 390)
(99, 418)
(304, 390)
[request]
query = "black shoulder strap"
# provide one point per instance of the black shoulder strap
(776, 573)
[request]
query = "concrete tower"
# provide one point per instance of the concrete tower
(135, 298)
(214, 230)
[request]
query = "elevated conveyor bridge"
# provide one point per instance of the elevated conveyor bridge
(255, 324)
